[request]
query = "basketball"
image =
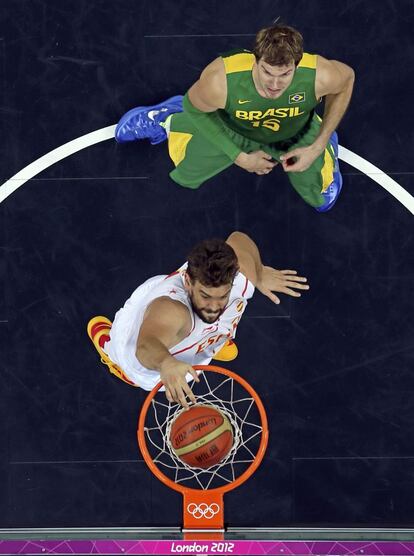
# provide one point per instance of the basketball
(201, 436)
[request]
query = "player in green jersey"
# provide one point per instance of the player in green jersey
(255, 109)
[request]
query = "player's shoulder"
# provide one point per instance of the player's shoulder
(331, 75)
(308, 61)
(213, 79)
(324, 66)
(213, 75)
(164, 308)
(166, 318)
(210, 91)
(237, 60)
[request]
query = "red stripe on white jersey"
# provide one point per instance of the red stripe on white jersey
(245, 287)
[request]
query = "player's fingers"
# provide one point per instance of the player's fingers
(297, 285)
(272, 297)
(194, 375)
(264, 169)
(189, 393)
(291, 276)
(290, 292)
(265, 155)
(291, 162)
(296, 278)
(168, 395)
(290, 154)
(175, 391)
(175, 395)
(182, 399)
(292, 167)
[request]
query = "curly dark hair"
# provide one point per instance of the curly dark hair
(279, 45)
(213, 263)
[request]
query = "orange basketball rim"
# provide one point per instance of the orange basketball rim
(203, 509)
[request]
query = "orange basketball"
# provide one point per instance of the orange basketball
(201, 436)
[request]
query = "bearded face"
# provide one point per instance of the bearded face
(208, 303)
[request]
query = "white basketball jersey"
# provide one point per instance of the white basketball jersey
(198, 348)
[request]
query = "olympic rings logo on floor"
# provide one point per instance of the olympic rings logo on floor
(203, 510)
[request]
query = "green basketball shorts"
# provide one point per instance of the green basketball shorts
(197, 160)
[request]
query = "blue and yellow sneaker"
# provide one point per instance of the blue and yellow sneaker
(144, 122)
(332, 192)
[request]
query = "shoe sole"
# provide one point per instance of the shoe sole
(97, 323)
(228, 358)
(98, 327)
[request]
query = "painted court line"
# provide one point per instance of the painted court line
(385, 181)
(72, 147)
(19, 179)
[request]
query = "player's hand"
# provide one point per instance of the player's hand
(299, 160)
(283, 281)
(173, 374)
(257, 161)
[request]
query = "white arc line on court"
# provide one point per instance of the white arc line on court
(379, 176)
(19, 179)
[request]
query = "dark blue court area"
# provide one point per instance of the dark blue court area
(334, 368)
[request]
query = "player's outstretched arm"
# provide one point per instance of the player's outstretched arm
(166, 322)
(334, 82)
(265, 278)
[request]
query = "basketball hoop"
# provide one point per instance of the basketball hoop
(203, 489)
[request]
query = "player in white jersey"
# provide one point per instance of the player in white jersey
(189, 317)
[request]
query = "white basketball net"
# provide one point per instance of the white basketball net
(228, 396)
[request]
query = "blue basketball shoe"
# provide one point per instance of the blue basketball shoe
(333, 191)
(144, 122)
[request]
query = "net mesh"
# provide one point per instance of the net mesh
(228, 396)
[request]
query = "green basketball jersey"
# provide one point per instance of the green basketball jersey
(267, 120)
